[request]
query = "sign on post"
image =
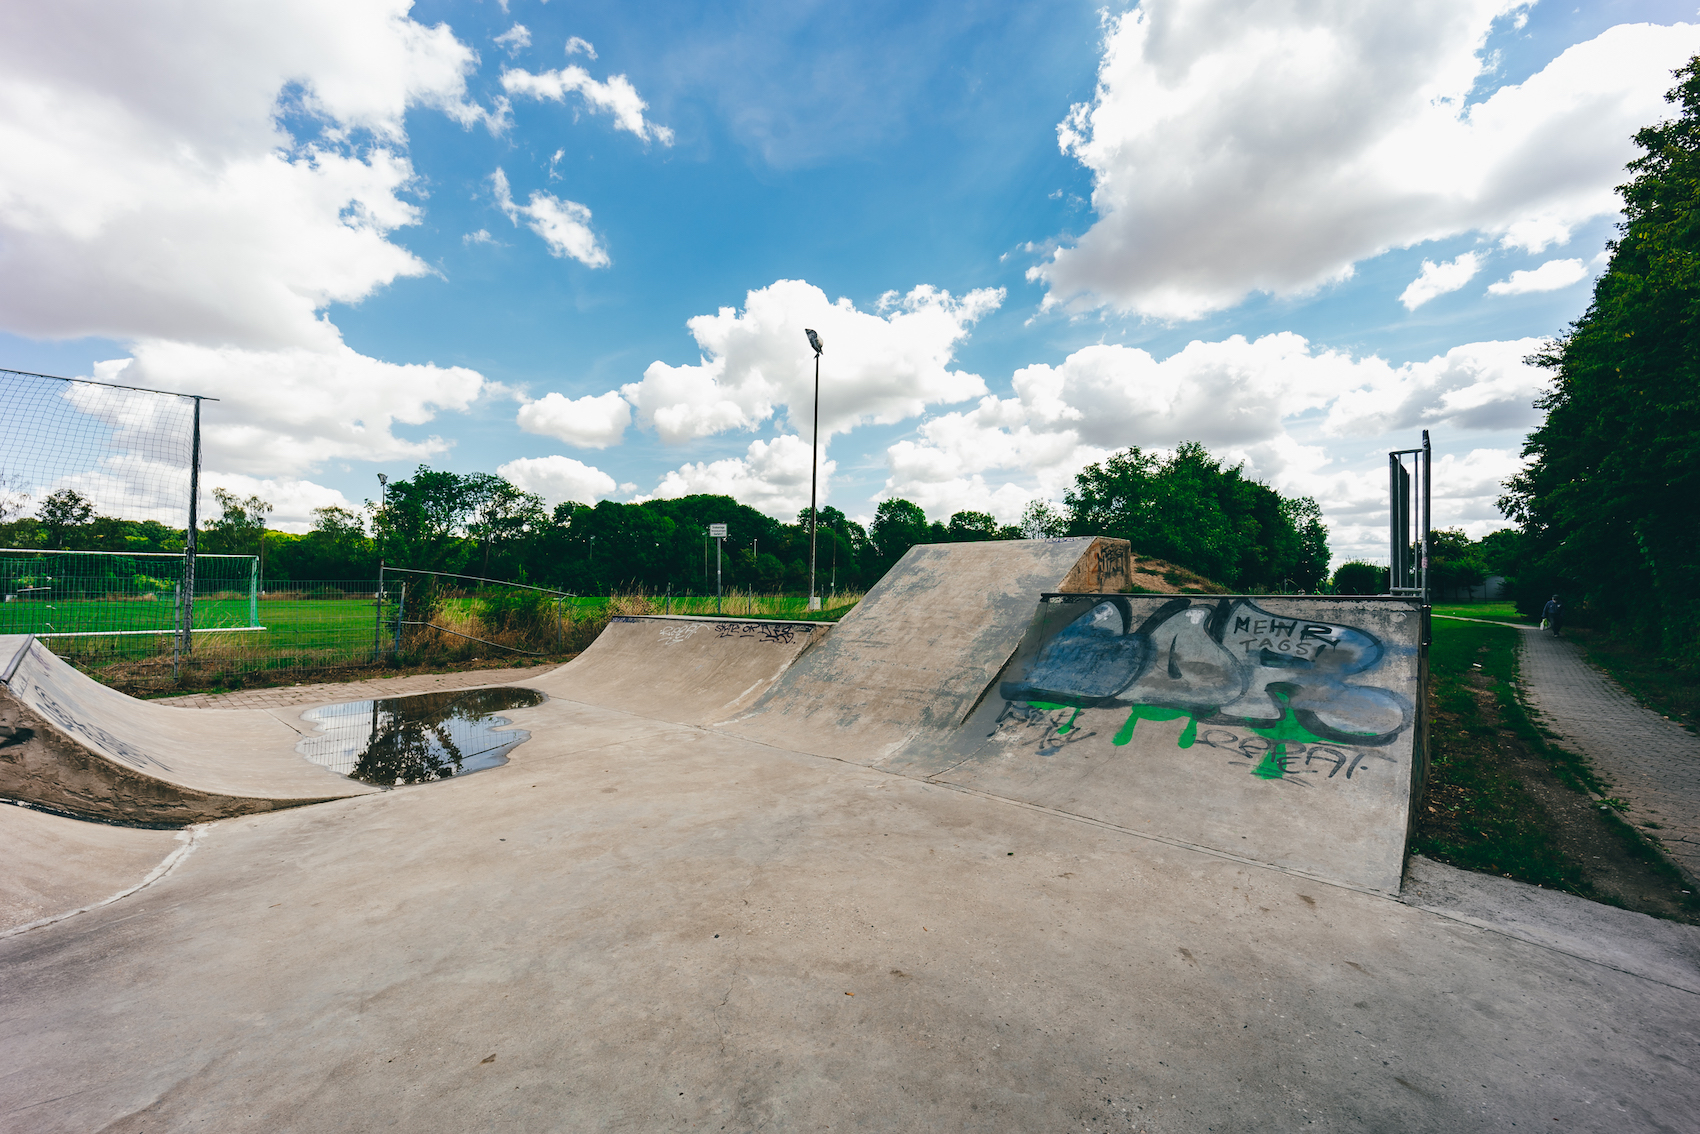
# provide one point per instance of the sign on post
(718, 533)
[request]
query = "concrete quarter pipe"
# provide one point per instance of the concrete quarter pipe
(72, 743)
(1284, 730)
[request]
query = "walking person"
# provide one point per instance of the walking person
(1553, 615)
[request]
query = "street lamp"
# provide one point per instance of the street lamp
(814, 467)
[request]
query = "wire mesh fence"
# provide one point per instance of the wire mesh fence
(142, 595)
(71, 444)
(90, 466)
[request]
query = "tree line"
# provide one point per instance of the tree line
(1608, 509)
(1188, 507)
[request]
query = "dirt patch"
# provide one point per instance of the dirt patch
(1158, 576)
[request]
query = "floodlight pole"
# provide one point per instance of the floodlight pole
(381, 517)
(814, 472)
(185, 635)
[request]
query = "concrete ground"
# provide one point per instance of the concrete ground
(636, 925)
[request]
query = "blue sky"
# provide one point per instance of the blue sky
(298, 210)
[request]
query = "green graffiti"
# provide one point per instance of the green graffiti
(1157, 713)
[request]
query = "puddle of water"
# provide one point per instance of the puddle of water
(413, 740)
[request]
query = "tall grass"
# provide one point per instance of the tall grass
(462, 626)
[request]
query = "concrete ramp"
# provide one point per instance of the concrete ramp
(71, 743)
(683, 669)
(1284, 730)
(911, 661)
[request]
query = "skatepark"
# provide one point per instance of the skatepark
(1006, 848)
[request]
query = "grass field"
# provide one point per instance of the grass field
(338, 631)
(1495, 610)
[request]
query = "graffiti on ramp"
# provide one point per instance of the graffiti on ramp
(1287, 693)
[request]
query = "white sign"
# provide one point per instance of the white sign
(717, 531)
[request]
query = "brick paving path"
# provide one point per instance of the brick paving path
(331, 693)
(1649, 761)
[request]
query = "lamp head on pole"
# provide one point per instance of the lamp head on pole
(814, 340)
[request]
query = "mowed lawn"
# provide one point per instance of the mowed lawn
(337, 627)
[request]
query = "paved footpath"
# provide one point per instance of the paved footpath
(332, 692)
(1649, 761)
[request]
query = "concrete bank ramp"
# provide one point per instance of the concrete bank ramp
(69, 742)
(1285, 730)
(915, 656)
(680, 668)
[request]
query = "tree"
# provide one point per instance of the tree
(898, 525)
(1039, 520)
(1193, 511)
(1360, 578)
(62, 512)
(1609, 504)
(240, 528)
(13, 498)
(1456, 563)
(972, 527)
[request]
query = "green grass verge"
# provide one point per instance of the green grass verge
(1495, 611)
(1478, 815)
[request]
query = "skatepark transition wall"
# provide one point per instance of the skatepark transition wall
(1284, 730)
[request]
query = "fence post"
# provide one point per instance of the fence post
(254, 592)
(186, 606)
(400, 606)
(378, 619)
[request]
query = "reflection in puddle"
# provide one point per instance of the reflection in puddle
(412, 740)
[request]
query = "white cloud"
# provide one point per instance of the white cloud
(285, 411)
(563, 225)
(1240, 146)
(771, 476)
(154, 193)
(1550, 276)
(756, 362)
(588, 422)
(558, 479)
(293, 500)
(617, 96)
(515, 39)
(482, 236)
(151, 193)
(577, 46)
(1438, 279)
(1484, 386)
(1246, 400)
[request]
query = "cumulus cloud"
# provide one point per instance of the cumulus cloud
(1239, 397)
(1550, 276)
(558, 479)
(282, 412)
(154, 193)
(1438, 279)
(588, 422)
(1483, 386)
(879, 366)
(771, 476)
(515, 39)
(578, 46)
(617, 96)
(563, 225)
(1239, 146)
